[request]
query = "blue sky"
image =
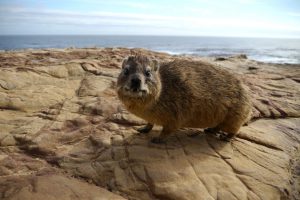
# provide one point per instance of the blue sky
(244, 18)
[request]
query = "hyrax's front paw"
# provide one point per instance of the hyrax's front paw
(211, 130)
(158, 140)
(145, 129)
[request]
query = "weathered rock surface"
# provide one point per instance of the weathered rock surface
(65, 135)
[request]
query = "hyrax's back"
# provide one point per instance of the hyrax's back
(197, 94)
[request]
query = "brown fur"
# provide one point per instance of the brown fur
(186, 93)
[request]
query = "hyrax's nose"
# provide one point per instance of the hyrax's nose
(135, 83)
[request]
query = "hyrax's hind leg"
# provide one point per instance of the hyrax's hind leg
(231, 125)
(145, 129)
(220, 134)
(212, 130)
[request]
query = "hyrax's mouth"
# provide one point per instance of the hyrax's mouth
(135, 92)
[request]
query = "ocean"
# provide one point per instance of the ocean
(260, 49)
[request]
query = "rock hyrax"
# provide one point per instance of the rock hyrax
(183, 93)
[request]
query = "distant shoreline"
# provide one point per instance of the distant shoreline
(260, 49)
(212, 58)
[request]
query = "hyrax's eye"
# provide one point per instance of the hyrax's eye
(148, 73)
(125, 71)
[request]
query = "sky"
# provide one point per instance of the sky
(241, 18)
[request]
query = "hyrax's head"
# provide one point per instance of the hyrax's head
(139, 79)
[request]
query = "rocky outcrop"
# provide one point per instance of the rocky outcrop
(65, 135)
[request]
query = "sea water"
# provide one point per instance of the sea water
(261, 49)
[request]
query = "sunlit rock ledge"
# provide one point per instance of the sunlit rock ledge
(65, 135)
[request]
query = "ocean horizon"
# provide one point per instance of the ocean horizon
(271, 50)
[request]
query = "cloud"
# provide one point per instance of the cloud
(179, 24)
(131, 4)
(294, 14)
(198, 11)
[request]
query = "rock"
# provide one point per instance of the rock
(52, 187)
(252, 68)
(240, 56)
(220, 59)
(65, 135)
(8, 141)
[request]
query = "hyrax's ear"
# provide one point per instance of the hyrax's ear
(155, 65)
(124, 62)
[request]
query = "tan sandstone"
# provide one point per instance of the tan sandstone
(65, 135)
